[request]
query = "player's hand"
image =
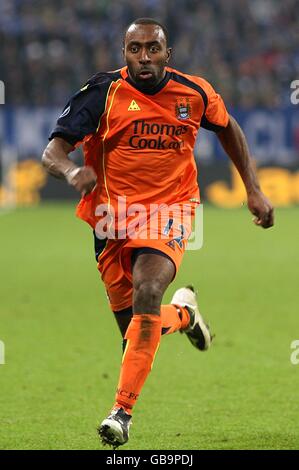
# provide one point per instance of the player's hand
(83, 179)
(260, 206)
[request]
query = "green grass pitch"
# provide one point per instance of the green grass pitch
(63, 349)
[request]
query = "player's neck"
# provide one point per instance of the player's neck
(150, 89)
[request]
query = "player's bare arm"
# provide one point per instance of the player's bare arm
(234, 142)
(57, 162)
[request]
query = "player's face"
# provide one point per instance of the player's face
(146, 54)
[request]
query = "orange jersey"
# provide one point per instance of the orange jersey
(140, 144)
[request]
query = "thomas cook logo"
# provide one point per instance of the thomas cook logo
(183, 108)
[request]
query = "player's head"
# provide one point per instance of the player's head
(146, 51)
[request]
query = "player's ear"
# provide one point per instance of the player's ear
(169, 51)
(123, 51)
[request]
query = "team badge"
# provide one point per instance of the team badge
(183, 108)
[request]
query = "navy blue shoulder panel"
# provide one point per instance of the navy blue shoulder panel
(209, 125)
(205, 123)
(81, 115)
(185, 81)
(102, 77)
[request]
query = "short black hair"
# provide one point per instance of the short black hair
(151, 21)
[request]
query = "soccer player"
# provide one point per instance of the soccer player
(138, 127)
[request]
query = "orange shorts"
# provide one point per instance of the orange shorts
(115, 256)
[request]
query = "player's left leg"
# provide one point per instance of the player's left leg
(173, 318)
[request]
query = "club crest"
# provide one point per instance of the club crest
(183, 108)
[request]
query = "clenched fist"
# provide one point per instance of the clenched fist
(83, 179)
(260, 206)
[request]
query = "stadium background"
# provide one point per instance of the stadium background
(238, 46)
(50, 295)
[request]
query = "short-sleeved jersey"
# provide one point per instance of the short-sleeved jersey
(140, 144)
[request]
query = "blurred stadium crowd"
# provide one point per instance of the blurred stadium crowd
(248, 49)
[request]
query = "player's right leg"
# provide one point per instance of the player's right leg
(152, 274)
(114, 430)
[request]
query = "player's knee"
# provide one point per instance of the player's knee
(147, 297)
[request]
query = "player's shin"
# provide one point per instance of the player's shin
(174, 318)
(142, 341)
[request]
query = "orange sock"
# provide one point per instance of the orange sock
(143, 338)
(173, 319)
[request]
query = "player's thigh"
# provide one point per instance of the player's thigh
(152, 274)
(153, 267)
